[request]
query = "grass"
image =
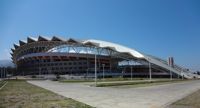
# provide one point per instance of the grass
(2, 83)
(125, 82)
(99, 80)
(191, 101)
(148, 84)
(75, 81)
(20, 94)
(141, 83)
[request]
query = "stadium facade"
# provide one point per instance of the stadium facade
(44, 56)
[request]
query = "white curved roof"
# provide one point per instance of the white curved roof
(118, 48)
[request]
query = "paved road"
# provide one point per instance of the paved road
(105, 97)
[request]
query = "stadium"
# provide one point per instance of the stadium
(57, 56)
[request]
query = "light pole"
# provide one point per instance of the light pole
(49, 72)
(39, 72)
(103, 70)
(5, 73)
(170, 75)
(95, 69)
(1, 72)
(131, 73)
(149, 70)
(130, 64)
(87, 73)
(39, 68)
(182, 74)
(178, 76)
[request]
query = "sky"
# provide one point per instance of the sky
(162, 28)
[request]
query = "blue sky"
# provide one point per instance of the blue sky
(161, 28)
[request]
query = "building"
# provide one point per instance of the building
(43, 56)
